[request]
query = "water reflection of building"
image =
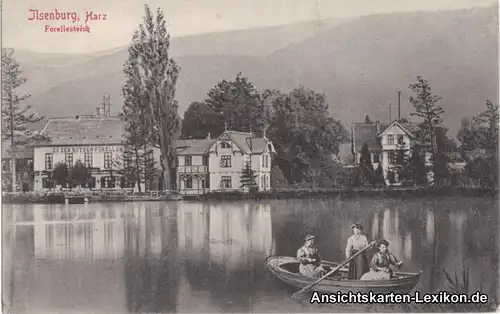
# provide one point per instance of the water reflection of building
(90, 232)
(391, 228)
(224, 248)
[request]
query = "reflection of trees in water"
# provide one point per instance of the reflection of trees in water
(226, 261)
(22, 263)
(481, 244)
(151, 281)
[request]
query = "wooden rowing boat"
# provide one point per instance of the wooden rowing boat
(287, 269)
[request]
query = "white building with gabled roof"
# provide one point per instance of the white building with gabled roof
(216, 164)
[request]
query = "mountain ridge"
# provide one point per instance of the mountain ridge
(359, 64)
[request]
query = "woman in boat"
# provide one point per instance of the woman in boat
(383, 265)
(310, 261)
(359, 265)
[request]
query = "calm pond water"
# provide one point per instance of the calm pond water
(209, 257)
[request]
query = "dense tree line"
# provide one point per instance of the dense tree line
(299, 123)
(479, 146)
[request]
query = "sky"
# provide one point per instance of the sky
(184, 17)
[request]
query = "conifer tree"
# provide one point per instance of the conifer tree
(427, 109)
(248, 178)
(15, 118)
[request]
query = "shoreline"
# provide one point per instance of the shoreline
(392, 192)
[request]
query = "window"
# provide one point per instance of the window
(225, 145)
(189, 183)
(107, 160)
(205, 160)
(90, 184)
(47, 183)
(48, 161)
(401, 139)
(392, 157)
(376, 158)
(225, 182)
(188, 161)
(390, 139)
(87, 159)
(108, 182)
(266, 159)
(225, 161)
(68, 158)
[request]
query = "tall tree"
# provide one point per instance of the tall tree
(365, 162)
(150, 67)
(302, 131)
(479, 144)
(427, 109)
(238, 103)
(487, 125)
(15, 118)
(200, 120)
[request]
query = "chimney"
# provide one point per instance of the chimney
(377, 126)
(208, 136)
(399, 105)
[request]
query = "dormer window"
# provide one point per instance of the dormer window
(225, 145)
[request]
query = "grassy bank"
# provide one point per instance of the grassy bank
(393, 192)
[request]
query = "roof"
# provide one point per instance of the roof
(193, 147)
(367, 133)
(408, 128)
(247, 142)
(243, 140)
(83, 130)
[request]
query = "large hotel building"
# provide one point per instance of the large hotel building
(203, 165)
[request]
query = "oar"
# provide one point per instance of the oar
(331, 272)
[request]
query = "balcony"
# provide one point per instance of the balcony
(192, 169)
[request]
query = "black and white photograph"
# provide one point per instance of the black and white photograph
(250, 156)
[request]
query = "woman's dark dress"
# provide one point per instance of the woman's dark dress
(359, 265)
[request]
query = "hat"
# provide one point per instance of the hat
(309, 237)
(382, 241)
(357, 226)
